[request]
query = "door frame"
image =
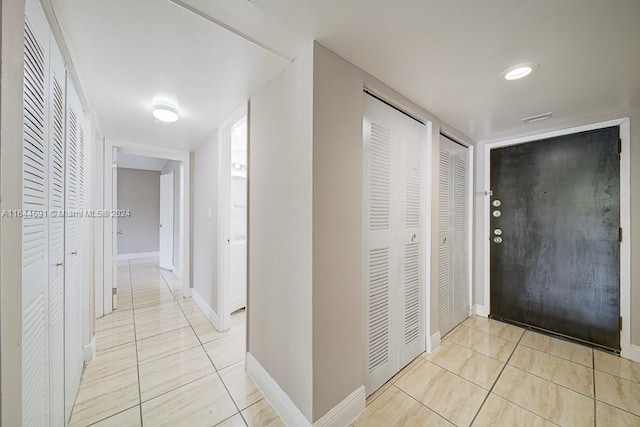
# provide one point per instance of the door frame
(627, 350)
(170, 216)
(104, 250)
(223, 214)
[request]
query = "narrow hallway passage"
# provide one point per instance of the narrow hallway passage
(160, 362)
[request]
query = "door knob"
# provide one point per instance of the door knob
(119, 232)
(74, 253)
(59, 264)
(497, 239)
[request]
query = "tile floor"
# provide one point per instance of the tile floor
(160, 362)
(489, 373)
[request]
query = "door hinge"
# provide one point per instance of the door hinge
(620, 323)
(620, 234)
(114, 291)
(619, 145)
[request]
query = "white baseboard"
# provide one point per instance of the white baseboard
(633, 353)
(280, 401)
(433, 342)
(139, 255)
(208, 311)
(346, 411)
(480, 310)
(176, 272)
(89, 350)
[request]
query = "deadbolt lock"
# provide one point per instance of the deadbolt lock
(497, 239)
(497, 213)
(496, 203)
(497, 231)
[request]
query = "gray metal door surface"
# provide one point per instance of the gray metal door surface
(555, 218)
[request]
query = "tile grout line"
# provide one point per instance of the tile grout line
(593, 373)
(217, 372)
(496, 380)
(135, 336)
(411, 397)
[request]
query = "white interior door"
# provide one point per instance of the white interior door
(35, 189)
(56, 234)
(166, 221)
(73, 292)
(238, 218)
(393, 240)
(453, 234)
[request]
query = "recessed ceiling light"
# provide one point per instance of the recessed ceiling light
(165, 113)
(519, 71)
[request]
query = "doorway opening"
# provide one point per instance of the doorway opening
(232, 213)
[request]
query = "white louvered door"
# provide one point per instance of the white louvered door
(410, 235)
(35, 284)
(453, 246)
(72, 288)
(392, 245)
(56, 233)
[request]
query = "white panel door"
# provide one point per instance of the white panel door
(35, 259)
(166, 221)
(393, 247)
(453, 234)
(72, 285)
(56, 233)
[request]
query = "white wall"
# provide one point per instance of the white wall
(205, 232)
(285, 187)
(280, 230)
(139, 192)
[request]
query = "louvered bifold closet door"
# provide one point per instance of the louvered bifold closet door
(380, 254)
(445, 236)
(72, 286)
(56, 233)
(460, 249)
(35, 285)
(411, 245)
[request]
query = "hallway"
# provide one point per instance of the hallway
(161, 362)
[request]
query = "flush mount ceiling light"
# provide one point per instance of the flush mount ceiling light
(519, 71)
(165, 113)
(537, 118)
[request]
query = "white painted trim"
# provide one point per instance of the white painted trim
(206, 309)
(223, 220)
(138, 255)
(346, 411)
(633, 353)
(433, 342)
(176, 272)
(480, 310)
(627, 350)
(281, 402)
(89, 350)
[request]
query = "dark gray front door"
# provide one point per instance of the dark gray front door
(555, 254)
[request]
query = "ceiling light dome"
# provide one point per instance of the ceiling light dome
(519, 71)
(166, 113)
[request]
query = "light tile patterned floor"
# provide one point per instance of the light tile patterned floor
(160, 362)
(489, 373)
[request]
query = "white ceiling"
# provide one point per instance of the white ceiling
(444, 55)
(129, 52)
(133, 161)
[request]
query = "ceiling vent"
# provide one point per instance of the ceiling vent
(537, 118)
